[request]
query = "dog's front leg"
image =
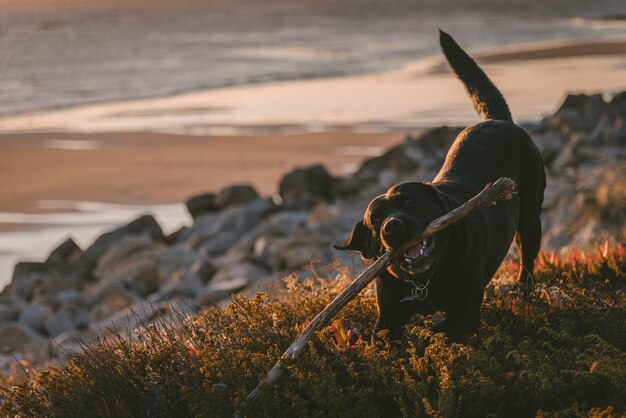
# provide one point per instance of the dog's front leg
(392, 315)
(463, 318)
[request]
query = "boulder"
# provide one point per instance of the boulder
(580, 112)
(145, 280)
(201, 204)
(26, 269)
(110, 299)
(169, 260)
(218, 291)
(203, 269)
(23, 287)
(303, 187)
(549, 144)
(59, 322)
(15, 337)
(566, 158)
(34, 316)
(58, 280)
(144, 225)
(65, 253)
(246, 269)
(218, 244)
(8, 313)
(123, 250)
(70, 298)
(232, 223)
(184, 284)
(292, 252)
(236, 195)
(323, 213)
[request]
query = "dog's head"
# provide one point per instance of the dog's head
(393, 219)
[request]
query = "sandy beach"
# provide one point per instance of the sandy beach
(164, 150)
(154, 168)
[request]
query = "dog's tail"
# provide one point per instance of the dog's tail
(486, 98)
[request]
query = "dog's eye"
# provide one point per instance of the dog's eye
(408, 201)
(376, 221)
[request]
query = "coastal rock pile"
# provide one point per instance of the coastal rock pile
(240, 241)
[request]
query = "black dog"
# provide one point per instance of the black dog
(449, 271)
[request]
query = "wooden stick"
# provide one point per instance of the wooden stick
(501, 189)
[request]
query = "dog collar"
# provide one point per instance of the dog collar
(419, 291)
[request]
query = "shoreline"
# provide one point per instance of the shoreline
(336, 103)
(162, 151)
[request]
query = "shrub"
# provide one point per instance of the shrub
(557, 352)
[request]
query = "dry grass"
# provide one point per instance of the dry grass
(559, 353)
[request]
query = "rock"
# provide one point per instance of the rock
(323, 213)
(183, 284)
(201, 204)
(428, 150)
(549, 144)
(291, 253)
(566, 158)
(26, 268)
(59, 280)
(64, 253)
(232, 222)
(248, 270)
(219, 244)
(34, 316)
(129, 318)
(23, 287)
(298, 256)
(236, 195)
(203, 269)
(123, 250)
(59, 322)
(8, 313)
(145, 281)
(580, 111)
(72, 342)
(38, 282)
(173, 237)
(189, 282)
(202, 227)
(172, 259)
(15, 337)
(303, 187)
(111, 299)
(218, 291)
(277, 224)
(396, 158)
(70, 298)
(144, 225)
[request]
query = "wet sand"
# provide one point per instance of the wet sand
(80, 154)
(151, 168)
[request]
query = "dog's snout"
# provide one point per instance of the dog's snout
(393, 225)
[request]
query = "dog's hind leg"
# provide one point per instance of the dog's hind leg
(528, 235)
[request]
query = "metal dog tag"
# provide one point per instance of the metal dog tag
(416, 294)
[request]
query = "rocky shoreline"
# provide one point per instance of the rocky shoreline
(240, 241)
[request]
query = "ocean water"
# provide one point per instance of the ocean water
(59, 53)
(82, 221)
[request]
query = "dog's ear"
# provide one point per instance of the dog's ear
(360, 240)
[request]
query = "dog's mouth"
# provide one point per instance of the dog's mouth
(417, 259)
